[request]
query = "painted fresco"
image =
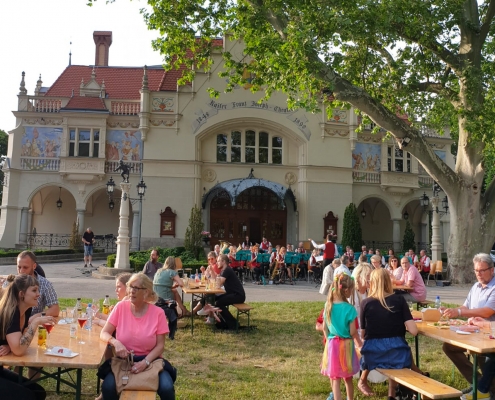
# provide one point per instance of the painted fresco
(123, 144)
(41, 142)
(367, 157)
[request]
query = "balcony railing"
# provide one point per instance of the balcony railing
(425, 181)
(40, 163)
(366, 177)
(136, 166)
(62, 241)
(43, 104)
(125, 107)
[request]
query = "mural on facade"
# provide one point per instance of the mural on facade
(123, 144)
(161, 104)
(366, 157)
(41, 142)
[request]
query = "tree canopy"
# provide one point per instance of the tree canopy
(427, 60)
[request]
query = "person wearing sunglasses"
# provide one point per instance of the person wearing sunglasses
(480, 302)
(395, 269)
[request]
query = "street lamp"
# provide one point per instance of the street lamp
(59, 201)
(110, 186)
(424, 201)
(141, 188)
(363, 212)
(406, 215)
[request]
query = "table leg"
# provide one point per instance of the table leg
(78, 383)
(58, 380)
(192, 314)
(416, 342)
(475, 374)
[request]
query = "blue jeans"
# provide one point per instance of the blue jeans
(488, 374)
(165, 390)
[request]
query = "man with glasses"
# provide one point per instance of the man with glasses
(480, 302)
(412, 279)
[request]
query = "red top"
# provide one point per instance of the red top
(329, 251)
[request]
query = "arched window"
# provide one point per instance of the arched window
(249, 146)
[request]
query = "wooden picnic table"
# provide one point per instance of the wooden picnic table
(477, 343)
(198, 293)
(89, 357)
(402, 287)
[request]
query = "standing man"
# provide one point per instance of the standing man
(329, 248)
(88, 239)
(480, 302)
(412, 279)
(152, 265)
(26, 264)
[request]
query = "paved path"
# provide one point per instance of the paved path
(70, 282)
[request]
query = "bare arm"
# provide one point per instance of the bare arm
(106, 336)
(483, 312)
(53, 310)
(178, 281)
(411, 327)
(19, 342)
(355, 334)
(153, 354)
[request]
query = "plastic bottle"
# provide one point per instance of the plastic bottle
(106, 305)
(89, 313)
(78, 307)
(437, 302)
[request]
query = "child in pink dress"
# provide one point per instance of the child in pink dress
(339, 359)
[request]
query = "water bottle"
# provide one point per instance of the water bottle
(89, 313)
(106, 305)
(437, 302)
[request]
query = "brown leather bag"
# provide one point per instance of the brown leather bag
(125, 379)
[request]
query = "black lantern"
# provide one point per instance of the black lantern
(445, 204)
(110, 186)
(406, 215)
(111, 205)
(363, 212)
(59, 201)
(141, 188)
(424, 201)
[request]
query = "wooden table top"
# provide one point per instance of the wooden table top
(401, 287)
(202, 290)
(90, 353)
(477, 342)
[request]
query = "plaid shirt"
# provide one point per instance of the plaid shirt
(48, 295)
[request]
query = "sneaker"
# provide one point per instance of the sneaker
(202, 312)
(91, 265)
(480, 396)
(330, 396)
(467, 390)
(85, 265)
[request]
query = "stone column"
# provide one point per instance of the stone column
(436, 244)
(80, 219)
(135, 231)
(122, 260)
(24, 225)
(396, 234)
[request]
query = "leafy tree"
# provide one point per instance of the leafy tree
(192, 240)
(75, 240)
(352, 234)
(408, 239)
(396, 61)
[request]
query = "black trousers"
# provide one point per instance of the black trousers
(11, 389)
(224, 300)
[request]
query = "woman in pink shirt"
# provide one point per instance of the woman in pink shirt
(141, 328)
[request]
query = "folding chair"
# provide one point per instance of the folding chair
(433, 267)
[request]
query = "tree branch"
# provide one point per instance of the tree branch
(487, 21)
(438, 88)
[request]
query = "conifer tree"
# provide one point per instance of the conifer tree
(352, 234)
(408, 240)
(193, 237)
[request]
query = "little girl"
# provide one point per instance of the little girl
(339, 359)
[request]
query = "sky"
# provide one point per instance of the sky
(36, 35)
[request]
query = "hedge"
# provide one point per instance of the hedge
(40, 252)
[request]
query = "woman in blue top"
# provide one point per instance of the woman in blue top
(339, 359)
(165, 281)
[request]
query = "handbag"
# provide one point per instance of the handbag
(125, 379)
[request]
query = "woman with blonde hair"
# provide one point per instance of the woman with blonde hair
(166, 281)
(17, 333)
(141, 328)
(384, 319)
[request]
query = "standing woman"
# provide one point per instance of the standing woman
(141, 327)
(384, 319)
(16, 334)
(166, 280)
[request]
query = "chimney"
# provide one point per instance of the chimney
(103, 40)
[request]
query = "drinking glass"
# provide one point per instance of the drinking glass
(95, 305)
(81, 319)
(64, 314)
(48, 328)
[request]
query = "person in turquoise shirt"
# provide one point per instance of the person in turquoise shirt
(165, 281)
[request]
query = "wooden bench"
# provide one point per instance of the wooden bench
(137, 395)
(419, 383)
(242, 309)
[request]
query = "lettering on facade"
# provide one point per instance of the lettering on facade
(297, 117)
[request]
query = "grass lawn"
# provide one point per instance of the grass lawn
(278, 360)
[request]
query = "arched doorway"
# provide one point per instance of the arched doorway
(257, 212)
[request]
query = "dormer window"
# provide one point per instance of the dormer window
(84, 142)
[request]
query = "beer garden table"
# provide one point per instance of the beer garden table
(89, 357)
(197, 294)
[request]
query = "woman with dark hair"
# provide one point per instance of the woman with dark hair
(17, 333)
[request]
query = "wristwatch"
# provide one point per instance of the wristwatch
(147, 362)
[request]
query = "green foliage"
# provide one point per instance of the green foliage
(75, 241)
(352, 234)
(193, 237)
(408, 239)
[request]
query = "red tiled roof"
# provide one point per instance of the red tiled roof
(120, 82)
(85, 103)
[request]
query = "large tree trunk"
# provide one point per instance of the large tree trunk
(470, 233)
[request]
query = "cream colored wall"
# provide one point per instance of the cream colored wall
(99, 217)
(47, 218)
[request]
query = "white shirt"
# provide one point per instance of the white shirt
(322, 246)
(327, 279)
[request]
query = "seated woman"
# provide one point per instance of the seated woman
(140, 327)
(255, 265)
(16, 334)
(384, 319)
(166, 280)
(237, 266)
(281, 265)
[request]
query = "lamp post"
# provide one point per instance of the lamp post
(123, 246)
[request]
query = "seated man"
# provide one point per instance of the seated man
(152, 265)
(424, 264)
(480, 302)
(412, 279)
